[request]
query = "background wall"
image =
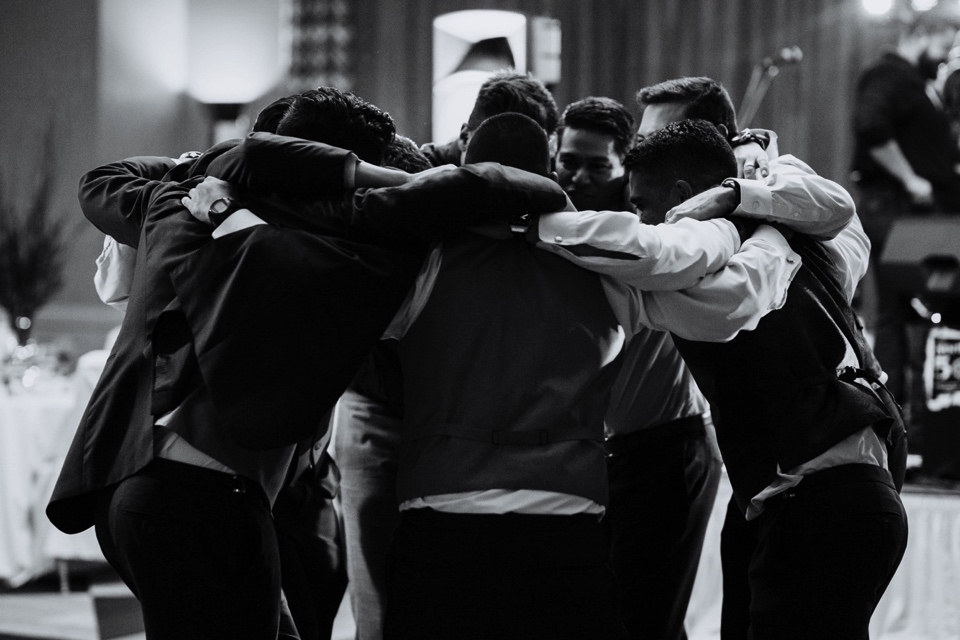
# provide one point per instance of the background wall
(614, 47)
(109, 75)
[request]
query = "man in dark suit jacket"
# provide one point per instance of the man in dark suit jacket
(178, 480)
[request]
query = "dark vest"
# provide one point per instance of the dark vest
(506, 375)
(774, 391)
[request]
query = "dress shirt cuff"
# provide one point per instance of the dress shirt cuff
(756, 201)
(114, 277)
(350, 164)
(773, 149)
(237, 221)
(792, 260)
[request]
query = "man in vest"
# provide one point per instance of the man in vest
(507, 354)
(804, 445)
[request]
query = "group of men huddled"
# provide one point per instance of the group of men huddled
(534, 372)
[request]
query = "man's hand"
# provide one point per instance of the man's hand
(718, 202)
(188, 156)
(752, 161)
(203, 195)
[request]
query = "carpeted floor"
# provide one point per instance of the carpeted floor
(97, 607)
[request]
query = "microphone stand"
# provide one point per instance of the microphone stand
(760, 79)
(763, 74)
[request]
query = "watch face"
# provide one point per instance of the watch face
(220, 206)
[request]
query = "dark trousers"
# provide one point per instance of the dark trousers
(662, 489)
(474, 577)
(312, 553)
(738, 541)
(198, 549)
(824, 554)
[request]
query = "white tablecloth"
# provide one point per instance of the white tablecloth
(921, 603)
(36, 428)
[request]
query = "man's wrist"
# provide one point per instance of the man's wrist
(750, 135)
(221, 208)
(734, 188)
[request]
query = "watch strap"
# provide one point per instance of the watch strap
(749, 135)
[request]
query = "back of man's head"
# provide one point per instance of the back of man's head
(512, 139)
(942, 17)
(511, 92)
(926, 39)
(340, 119)
(690, 150)
(271, 115)
(601, 115)
(706, 99)
(404, 154)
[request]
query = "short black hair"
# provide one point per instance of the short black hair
(270, 116)
(706, 99)
(690, 150)
(341, 119)
(512, 92)
(601, 115)
(512, 139)
(404, 154)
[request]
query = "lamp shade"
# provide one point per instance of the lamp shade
(234, 49)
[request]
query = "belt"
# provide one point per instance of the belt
(679, 429)
(843, 474)
(831, 477)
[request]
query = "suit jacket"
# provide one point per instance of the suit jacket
(272, 322)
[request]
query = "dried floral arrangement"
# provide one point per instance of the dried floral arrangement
(33, 242)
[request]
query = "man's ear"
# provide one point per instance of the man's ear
(724, 131)
(553, 176)
(681, 192)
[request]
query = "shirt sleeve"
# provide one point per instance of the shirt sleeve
(880, 102)
(796, 197)
(114, 276)
(617, 244)
(851, 252)
(115, 196)
(753, 283)
(265, 163)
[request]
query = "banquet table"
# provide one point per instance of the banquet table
(36, 427)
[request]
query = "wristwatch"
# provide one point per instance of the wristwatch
(733, 184)
(749, 135)
(220, 209)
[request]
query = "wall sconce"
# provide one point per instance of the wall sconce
(235, 57)
(470, 46)
(227, 122)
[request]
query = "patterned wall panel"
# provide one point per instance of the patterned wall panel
(322, 44)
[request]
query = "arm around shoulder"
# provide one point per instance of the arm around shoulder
(114, 197)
